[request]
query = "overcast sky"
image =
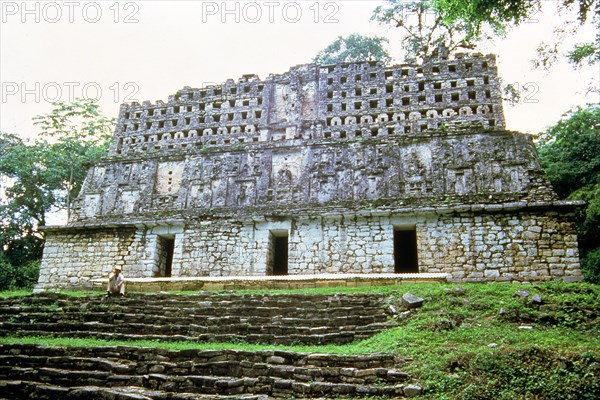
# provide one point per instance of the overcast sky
(147, 50)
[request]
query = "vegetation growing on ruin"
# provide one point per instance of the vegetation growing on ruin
(471, 341)
(570, 155)
(45, 175)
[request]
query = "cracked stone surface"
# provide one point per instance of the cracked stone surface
(330, 160)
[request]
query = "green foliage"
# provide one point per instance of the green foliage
(28, 274)
(533, 372)
(45, 174)
(570, 150)
(422, 29)
(584, 53)
(570, 155)
(22, 248)
(512, 94)
(476, 14)
(354, 48)
(500, 15)
(22, 276)
(49, 171)
(590, 263)
(15, 293)
(464, 343)
(6, 274)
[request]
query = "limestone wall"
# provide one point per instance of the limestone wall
(470, 247)
(497, 247)
(316, 245)
(521, 247)
(72, 258)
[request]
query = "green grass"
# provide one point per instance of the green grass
(11, 293)
(467, 344)
(24, 292)
(242, 346)
(316, 291)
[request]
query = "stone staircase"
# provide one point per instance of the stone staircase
(269, 319)
(143, 373)
(31, 371)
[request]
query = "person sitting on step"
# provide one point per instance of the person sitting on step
(116, 283)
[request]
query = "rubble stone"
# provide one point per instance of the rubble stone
(412, 301)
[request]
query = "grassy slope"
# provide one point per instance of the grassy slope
(472, 343)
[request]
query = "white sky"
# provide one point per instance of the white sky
(171, 44)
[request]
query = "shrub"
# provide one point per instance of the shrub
(590, 266)
(18, 277)
(7, 274)
(27, 275)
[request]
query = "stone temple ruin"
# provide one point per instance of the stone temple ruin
(348, 168)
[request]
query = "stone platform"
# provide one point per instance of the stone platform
(270, 282)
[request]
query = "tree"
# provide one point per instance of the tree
(354, 48)
(82, 135)
(46, 173)
(423, 29)
(570, 155)
(503, 14)
(476, 14)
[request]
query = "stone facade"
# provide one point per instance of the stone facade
(347, 168)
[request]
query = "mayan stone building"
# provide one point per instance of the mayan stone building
(347, 168)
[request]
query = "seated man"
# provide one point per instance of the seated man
(116, 283)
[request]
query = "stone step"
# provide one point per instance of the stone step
(202, 324)
(218, 320)
(190, 318)
(272, 300)
(139, 354)
(83, 363)
(15, 366)
(280, 389)
(24, 389)
(122, 306)
(206, 313)
(189, 329)
(288, 340)
(26, 371)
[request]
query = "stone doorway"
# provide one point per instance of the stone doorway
(405, 250)
(278, 253)
(166, 248)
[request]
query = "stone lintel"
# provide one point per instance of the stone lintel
(109, 225)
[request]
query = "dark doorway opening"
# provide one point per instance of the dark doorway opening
(405, 251)
(279, 253)
(166, 248)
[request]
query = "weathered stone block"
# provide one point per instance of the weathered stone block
(237, 165)
(411, 301)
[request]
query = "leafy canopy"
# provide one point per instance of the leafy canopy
(570, 154)
(475, 15)
(423, 29)
(354, 48)
(45, 174)
(570, 150)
